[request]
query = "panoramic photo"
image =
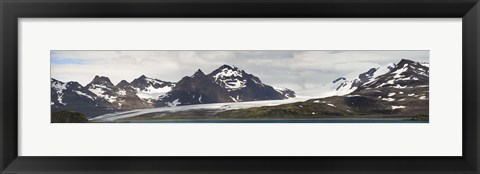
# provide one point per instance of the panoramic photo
(277, 86)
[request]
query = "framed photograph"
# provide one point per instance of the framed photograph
(239, 87)
(379, 86)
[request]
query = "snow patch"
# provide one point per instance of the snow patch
(83, 94)
(97, 91)
(229, 78)
(343, 85)
(398, 72)
(174, 103)
(235, 100)
(122, 92)
(59, 87)
(152, 93)
(279, 90)
(110, 99)
(425, 64)
(398, 107)
(100, 92)
(398, 86)
(227, 72)
(236, 84)
(388, 99)
(389, 82)
(153, 81)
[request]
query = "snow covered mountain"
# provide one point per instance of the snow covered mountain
(73, 96)
(61, 92)
(401, 91)
(122, 96)
(102, 87)
(351, 82)
(402, 74)
(398, 90)
(405, 74)
(100, 96)
(142, 92)
(150, 89)
(230, 78)
(224, 84)
(243, 86)
(195, 89)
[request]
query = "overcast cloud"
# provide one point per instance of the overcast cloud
(297, 70)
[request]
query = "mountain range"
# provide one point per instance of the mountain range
(101, 96)
(398, 90)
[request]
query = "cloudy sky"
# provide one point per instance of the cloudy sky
(297, 70)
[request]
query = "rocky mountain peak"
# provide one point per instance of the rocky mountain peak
(57, 85)
(199, 72)
(404, 61)
(227, 71)
(391, 66)
(74, 85)
(101, 80)
(142, 78)
(409, 65)
(123, 84)
(149, 89)
(229, 77)
(367, 75)
(406, 73)
(228, 67)
(146, 81)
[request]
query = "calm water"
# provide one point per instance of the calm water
(281, 121)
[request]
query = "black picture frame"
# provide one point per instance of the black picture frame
(11, 10)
